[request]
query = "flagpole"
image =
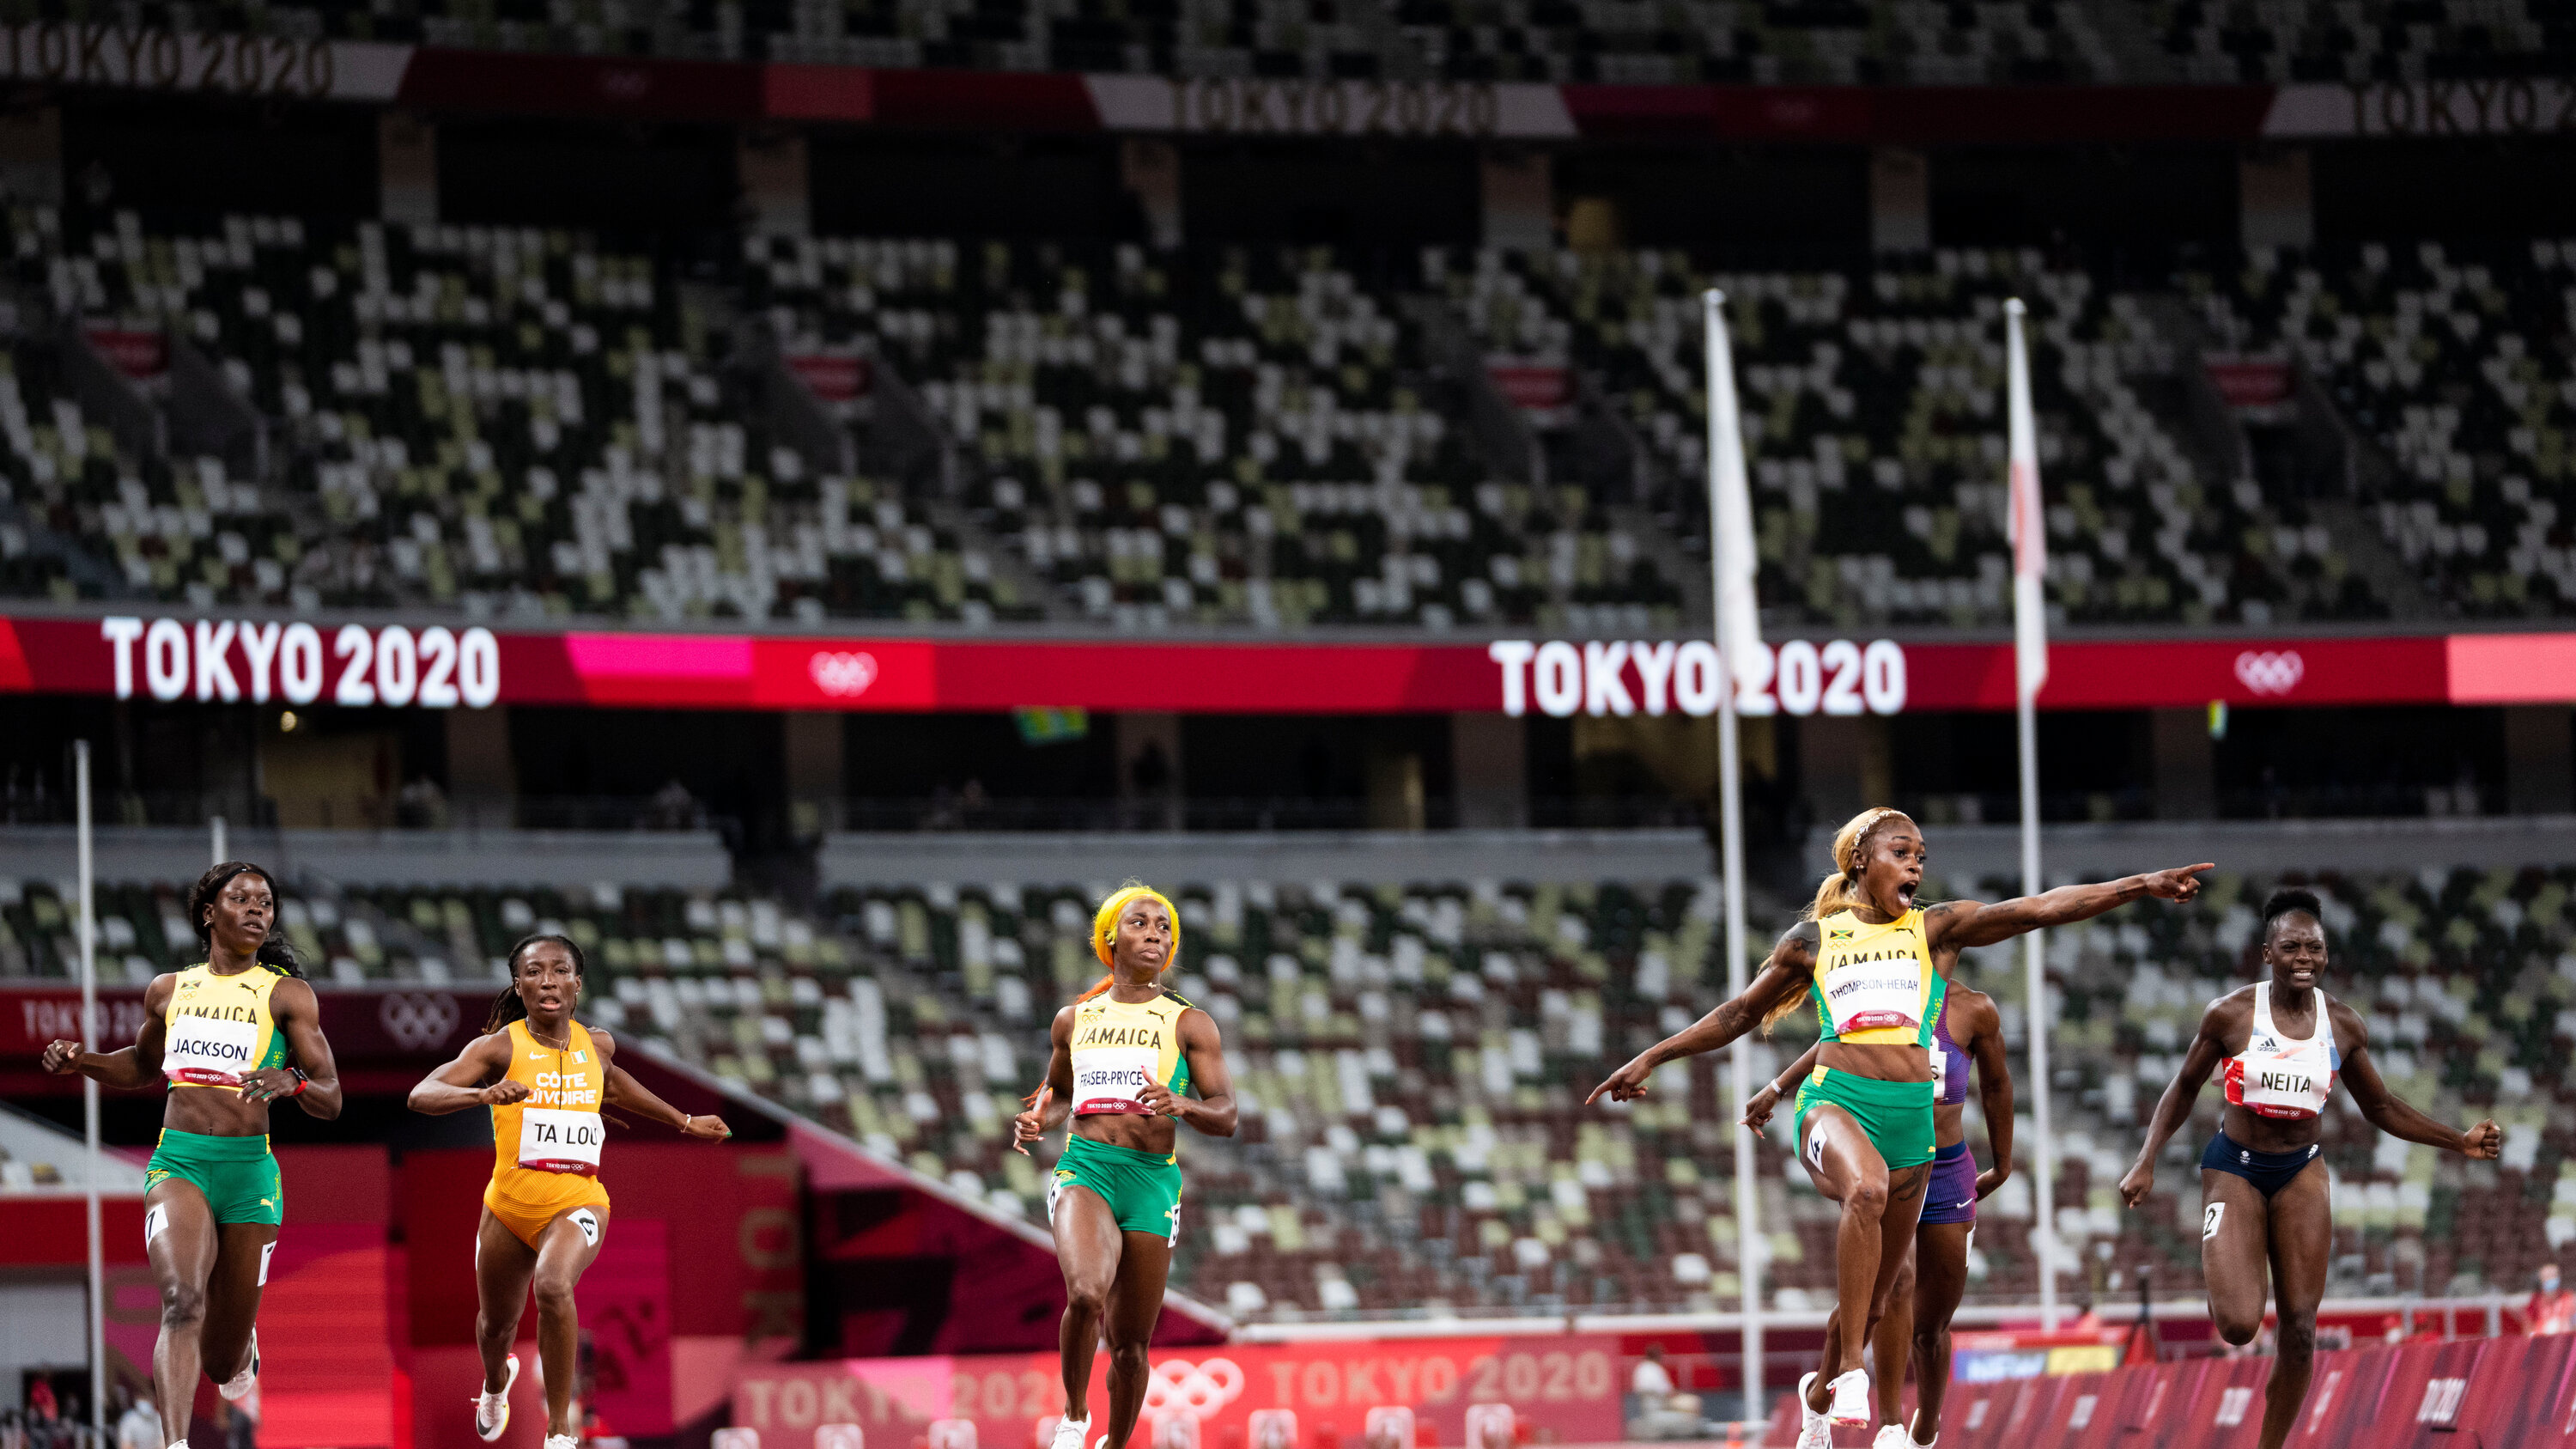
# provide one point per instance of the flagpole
(2030, 658)
(90, 1041)
(1730, 543)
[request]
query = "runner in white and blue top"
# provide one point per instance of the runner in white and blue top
(2265, 1203)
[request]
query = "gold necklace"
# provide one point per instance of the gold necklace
(562, 1046)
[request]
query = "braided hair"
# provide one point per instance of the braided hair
(507, 1007)
(274, 953)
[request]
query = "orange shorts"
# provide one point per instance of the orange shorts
(538, 1198)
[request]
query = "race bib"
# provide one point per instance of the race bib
(558, 1141)
(1865, 995)
(205, 1051)
(1108, 1079)
(1940, 1074)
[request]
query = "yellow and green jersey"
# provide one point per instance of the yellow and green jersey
(220, 1027)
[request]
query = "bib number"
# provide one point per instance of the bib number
(205, 1051)
(1940, 1073)
(556, 1141)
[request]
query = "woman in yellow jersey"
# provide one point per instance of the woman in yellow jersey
(233, 1034)
(546, 1078)
(1873, 963)
(1127, 1056)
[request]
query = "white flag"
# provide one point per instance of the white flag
(2029, 520)
(1732, 556)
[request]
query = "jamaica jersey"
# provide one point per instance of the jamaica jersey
(1120, 1046)
(219, 1027)
(1873, 984)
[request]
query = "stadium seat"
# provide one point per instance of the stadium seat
(1875, 438)
(2442, 355)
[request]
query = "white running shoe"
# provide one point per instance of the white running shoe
(492, 1411)
(1815, 1431)
(238, 1387)
(1071, 1433)
(562, 1441)
(1892, 1436)
(1851, 1403)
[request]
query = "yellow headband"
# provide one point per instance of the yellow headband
(1104, 924)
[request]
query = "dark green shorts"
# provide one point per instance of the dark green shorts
(1143, 1189)
(238, 1175)
(1897, 1116)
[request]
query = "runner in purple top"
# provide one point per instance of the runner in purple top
(1966, 1028)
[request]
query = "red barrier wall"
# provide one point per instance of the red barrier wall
(1567, 1389)
(2484, 1393)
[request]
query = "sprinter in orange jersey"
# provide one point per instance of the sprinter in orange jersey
(545, 1076)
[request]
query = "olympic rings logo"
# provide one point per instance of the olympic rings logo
(417, 1019)
(843, 676)
(1193, 1389)
(2270, 673)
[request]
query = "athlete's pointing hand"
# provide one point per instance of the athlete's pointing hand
(1626, 1084)
(2180, 884)
(1758, 1108)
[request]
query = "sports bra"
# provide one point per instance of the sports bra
(1874, 985)
(2276, 1076)
(219, 1028)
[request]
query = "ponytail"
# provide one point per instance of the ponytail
(1840, 891)
(274, 953)
(507, 1007)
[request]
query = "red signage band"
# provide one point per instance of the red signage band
(440, 666)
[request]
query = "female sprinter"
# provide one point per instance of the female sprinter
(545, 1076)
(1127, 1055)
(233, 1034)
(1870, 959)
(1965, 1027)
(2264, 1198)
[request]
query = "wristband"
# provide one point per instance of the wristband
(301, 1081)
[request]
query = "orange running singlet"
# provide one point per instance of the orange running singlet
(545, 1149)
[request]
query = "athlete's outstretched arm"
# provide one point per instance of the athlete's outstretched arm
(459, 1084)
(1214, 1110)
(1791, 967)
(1994, 1086)
(2392, 1114)
(299, 1015)
(1961, 924)
(2174, 1108)
(1053, 1100)
(126, 1069)
(624, 1091)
